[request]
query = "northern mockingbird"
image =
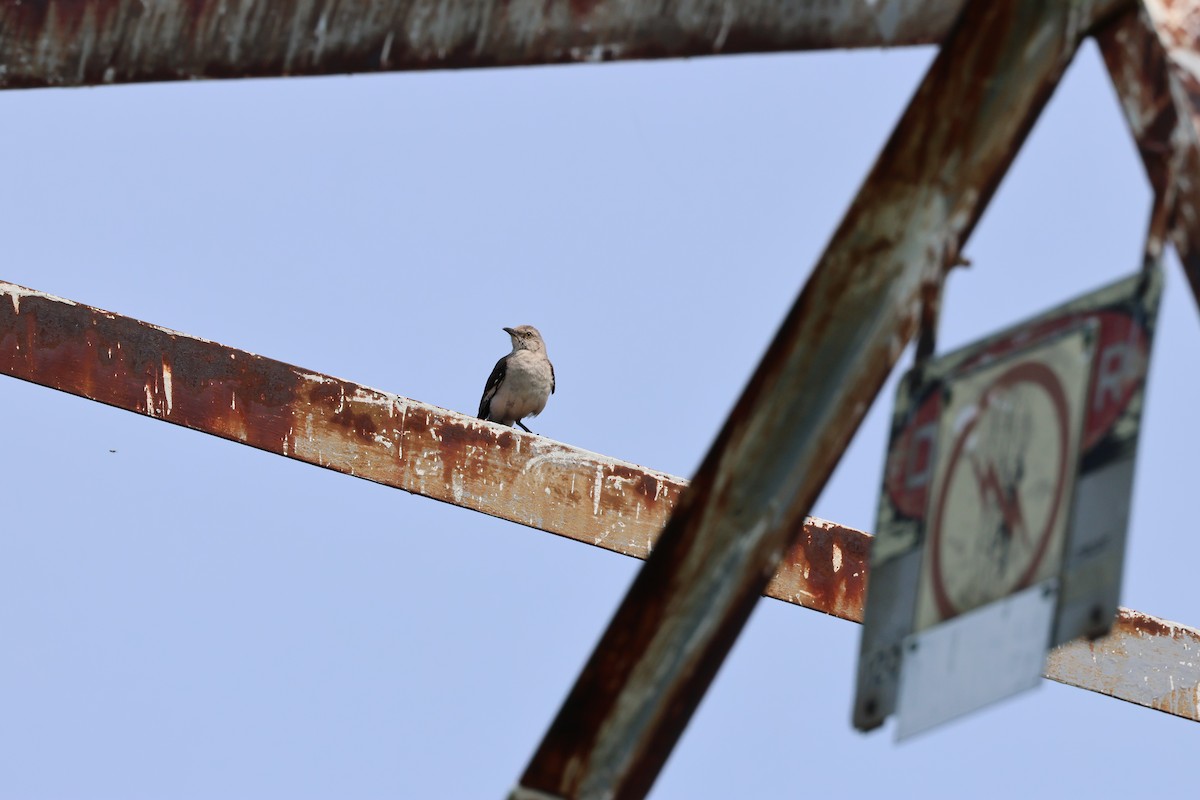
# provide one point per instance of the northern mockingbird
(521, 382)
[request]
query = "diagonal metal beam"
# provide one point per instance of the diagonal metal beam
(859, 308)
(607, 503)
(1151, 59)
(87, 42)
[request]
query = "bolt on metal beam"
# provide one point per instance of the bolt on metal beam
(860, 307)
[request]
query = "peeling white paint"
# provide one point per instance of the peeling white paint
(597, 53)
(314, 377)
(166, 376)
(15, 293)
(179, 334)
(371, 397)
(596, 487)
(387, 50)
(617, 482)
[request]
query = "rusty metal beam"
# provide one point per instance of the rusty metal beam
(88, 42)
(1144, 660)
(857, 311)
(426, 450)
(382, 437)
(1151, 59)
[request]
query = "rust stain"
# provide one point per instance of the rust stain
(371, 434)
(825, 569)
(1131, 622)
(332, 423)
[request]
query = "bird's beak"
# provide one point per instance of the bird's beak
(509, 331)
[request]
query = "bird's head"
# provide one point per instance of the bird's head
(526, 337)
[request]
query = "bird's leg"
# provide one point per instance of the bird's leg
(522, 424)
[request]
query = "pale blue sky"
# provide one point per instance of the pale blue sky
(188, 618)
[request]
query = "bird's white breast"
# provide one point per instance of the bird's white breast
(525, 389)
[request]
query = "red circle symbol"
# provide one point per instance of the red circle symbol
(1005, 499)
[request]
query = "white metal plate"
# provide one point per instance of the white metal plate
(975, 659)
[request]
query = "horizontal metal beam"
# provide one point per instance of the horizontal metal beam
(88, 42)
(1151, 59)
(1144, 660)
(441, 454)
(381, 437)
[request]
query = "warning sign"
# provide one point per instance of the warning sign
(1005, 497)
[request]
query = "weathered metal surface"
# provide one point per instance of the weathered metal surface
(85, 42)
(1153, 64)
(1177, 23)
(824, 568)
(946, 545)
(381, 437)
(1144, 660)
(807, 397)
(367, 433)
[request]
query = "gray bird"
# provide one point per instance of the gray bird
(521, 382)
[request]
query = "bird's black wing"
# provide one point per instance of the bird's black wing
(551, 377)
(489, 390)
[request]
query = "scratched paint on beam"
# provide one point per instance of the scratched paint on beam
(410, 445)
(88, 42)
(330, 422)
(379, 436)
